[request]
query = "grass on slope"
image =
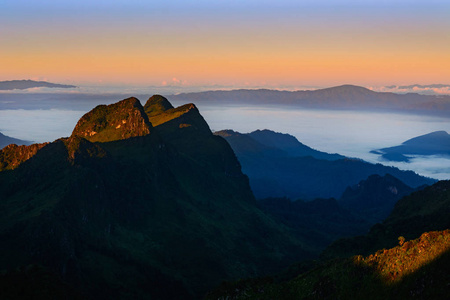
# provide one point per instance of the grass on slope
(413, 269)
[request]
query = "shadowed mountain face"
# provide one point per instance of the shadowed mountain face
(278, 166)
(6, 140)
(375, 197)
(435, 143)
(160, 212)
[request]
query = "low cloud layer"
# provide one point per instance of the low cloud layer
(430, 89)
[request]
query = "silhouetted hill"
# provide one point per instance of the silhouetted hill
(6, 140)
(274, 172)
(434, 143)
(375, 197)
(27, 84)
(346, 97)
(136, 211)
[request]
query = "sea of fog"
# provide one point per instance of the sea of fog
(349, 133)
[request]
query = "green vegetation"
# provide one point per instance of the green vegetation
(118, 121)
(416, 269)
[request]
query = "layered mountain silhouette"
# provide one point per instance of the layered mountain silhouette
(139, 202)
(434, 143)
(6, 140)
(345, 97)
(28, 84)
(322, 221)
(280, 166)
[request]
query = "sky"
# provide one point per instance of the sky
(272, 44)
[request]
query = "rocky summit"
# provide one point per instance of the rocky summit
(118, 121)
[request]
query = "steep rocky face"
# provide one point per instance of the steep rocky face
(118, 121)
(12, 155)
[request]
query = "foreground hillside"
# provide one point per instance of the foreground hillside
(139, 202)
(416, 269)
(402, 258)
(419, 212)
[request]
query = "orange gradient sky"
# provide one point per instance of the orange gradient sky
(254, 43)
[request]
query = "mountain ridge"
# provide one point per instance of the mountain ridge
(6, 140)
(345, 97)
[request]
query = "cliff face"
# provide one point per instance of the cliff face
(113, 122)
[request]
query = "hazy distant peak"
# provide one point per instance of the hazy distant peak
(438, 137)
(28, 84)
(346, 89)
(434, 143)
(157, 104)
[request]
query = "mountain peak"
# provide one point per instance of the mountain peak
(117, 121)
(347, 88)
(157, 104)
(227, 133)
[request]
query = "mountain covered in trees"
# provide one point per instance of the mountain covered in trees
(280, 166)
(139, 202)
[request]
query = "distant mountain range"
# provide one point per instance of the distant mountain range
(280, 166)
(434, 143)
(6, 140)
(345, 97)
(28, 84)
